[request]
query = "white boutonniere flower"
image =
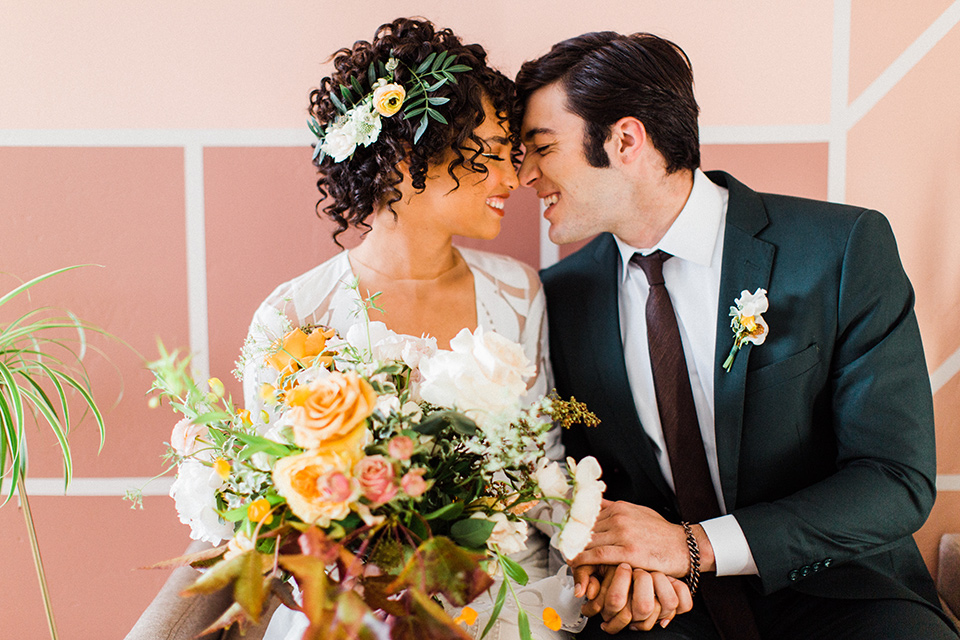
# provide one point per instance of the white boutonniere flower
(747, 323)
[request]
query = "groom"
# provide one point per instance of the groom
(784, 481)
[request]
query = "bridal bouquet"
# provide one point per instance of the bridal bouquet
(388, 477)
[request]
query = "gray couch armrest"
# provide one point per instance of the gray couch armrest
(173, 617)
(948, 573)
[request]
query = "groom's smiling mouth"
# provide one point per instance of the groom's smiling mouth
(549, 200)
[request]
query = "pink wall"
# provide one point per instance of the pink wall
(127, 130)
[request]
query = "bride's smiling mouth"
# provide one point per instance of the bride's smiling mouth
(497, 203)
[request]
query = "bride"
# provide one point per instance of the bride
(412, 192)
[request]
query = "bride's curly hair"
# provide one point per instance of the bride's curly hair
(352, 189)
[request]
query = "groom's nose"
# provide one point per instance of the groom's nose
(529, 171)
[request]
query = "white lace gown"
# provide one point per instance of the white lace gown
(510, 301)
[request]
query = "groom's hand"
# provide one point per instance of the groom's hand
(627, 533)
(637, 598)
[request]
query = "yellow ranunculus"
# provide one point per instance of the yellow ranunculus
(298, 348)
(259, 510)
(317, 485)
(222, 468)
(388, 99)
(330, 409)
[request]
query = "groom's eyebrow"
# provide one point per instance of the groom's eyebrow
(539, 130)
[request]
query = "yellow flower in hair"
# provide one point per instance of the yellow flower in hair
(388, 99)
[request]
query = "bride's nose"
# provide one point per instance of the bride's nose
(510, 179)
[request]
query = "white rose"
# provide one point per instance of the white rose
(194, 491)
(415, 349)
(454, 380)
(550, 479)
(382, 343)
(502, 360)
(387, 404)
(509, 536)
(482, 373)
(340, 140)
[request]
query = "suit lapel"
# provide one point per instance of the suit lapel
(747, 263)
(604, 332)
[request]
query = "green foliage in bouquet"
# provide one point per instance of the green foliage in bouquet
(41, 364)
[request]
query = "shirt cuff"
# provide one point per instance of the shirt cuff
(730, 548)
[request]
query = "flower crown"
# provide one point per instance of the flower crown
(360, 113)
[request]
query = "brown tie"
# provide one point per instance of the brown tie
(696, 498)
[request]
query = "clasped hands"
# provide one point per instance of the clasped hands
(632, 571)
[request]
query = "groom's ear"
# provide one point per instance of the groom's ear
(628, 138)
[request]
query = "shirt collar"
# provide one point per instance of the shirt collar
(693, 235)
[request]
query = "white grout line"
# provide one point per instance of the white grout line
(98, 486)
(717, 134)
(904, 63)
(549, 252)
(196, 260)
(948, 483)
(949, 368)
(764, 134)
(117, 487)
(155, 137)
(839, 92)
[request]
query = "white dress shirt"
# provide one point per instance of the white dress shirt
(692, 278)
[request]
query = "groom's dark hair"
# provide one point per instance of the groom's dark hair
(607, 76)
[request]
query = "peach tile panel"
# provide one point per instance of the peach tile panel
(247, 64)
(123, 209)
(793, 169)
(262, 229)
(946, 406)
(92, 549)
(943, 519)
(879, 32)
(903, 158)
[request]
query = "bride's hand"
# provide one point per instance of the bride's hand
(637, 598)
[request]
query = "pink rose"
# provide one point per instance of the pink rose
(375, 474)
(184, 436)
(413, 483)
(400, 447)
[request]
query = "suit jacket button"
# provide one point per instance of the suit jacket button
(827, 562)
(805, 571)
(794, 575)
(816, 567)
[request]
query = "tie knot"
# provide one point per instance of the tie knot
(652, 265)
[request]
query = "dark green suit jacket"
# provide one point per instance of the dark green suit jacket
(825, 433)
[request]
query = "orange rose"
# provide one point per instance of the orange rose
(330, 409)
(317, 485)
(388, 99)
(298, 349)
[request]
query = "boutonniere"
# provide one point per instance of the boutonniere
(747, 323)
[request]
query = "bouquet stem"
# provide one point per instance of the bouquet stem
(37, 561)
